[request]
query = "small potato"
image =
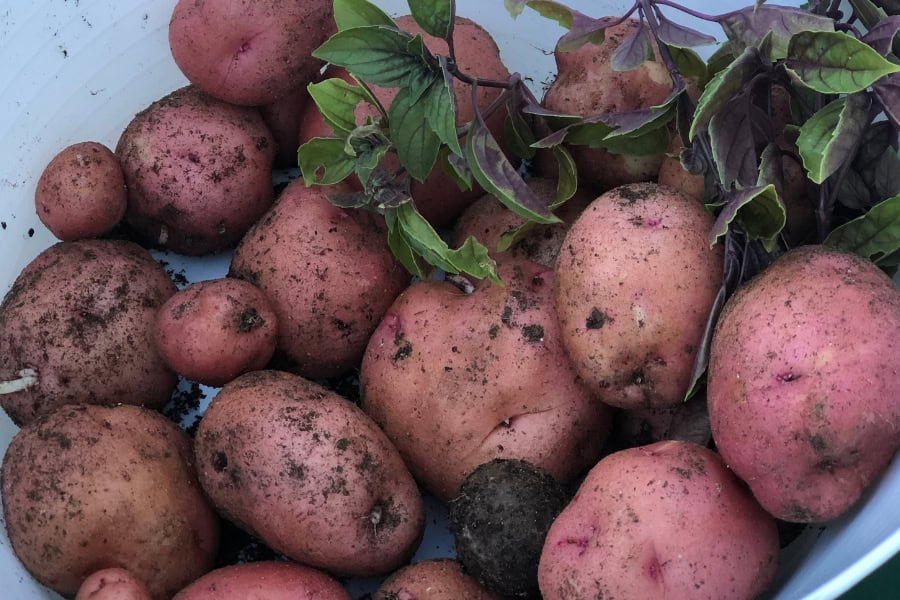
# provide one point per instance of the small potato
(803, 383)
(90, 487)
(636, 282)
(309, 474)
(112, 584)
(667, 520)
(213, 331)
(438, 579)
(673, 174)
(264, 581)
(81, 193)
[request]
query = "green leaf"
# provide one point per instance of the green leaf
(417, 145)
(830, 137)
(868, 12)
(456, 168)
(721, 88)
(651, 143)
(759, 210)
(376, 54)
(745, 28)
(359, 13)
(515, 7)
(517, 136)
(582, 28)
(368, 145)
(337, 100)
(493, 171)
(440, 109)
(323, 161)
(400, 247)
(567, 181)
(721, 58)
(434, 16)
(689, 64)
(875, 235)
(835, 62)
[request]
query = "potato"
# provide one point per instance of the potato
(265, 581)
(81, 193)
(213, 331)
(77, 327)
(673, 174)
(249, 53)
(112, 584)
(283, 118)
(91, 487)
(804, 389)
(661, 521)
(636, 282)
(458, 379)
(198, 170)
(328, 273)
(488, 220)
(587, 85)
(308, 473)
(436, 579)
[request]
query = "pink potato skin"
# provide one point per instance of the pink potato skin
(112, 584)
(667, 520)
(804, 384)
(81, 193)
(636, 279)
(213, 331)
(264, 580)
(249, 53)
(437, 579)
(283, 117)
(456, 380)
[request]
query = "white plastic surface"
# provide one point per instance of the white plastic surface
(77, 70)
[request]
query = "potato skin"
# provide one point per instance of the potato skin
(804, 387)
(265, 580)
(198, 171)
(437, 579)
(636, 281)
(249, 53)
(81, 315)
(81, 192)
(665, 520)
(112, 584)
(456, 380)
(90, 487)
(309, 473)
(329, 275)
(215, 330)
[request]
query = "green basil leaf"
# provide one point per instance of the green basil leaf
(359, 13)
(337, 100)
(567, 181)
(434, 16)
(515, 7)
(440, 108)
(759, 210)
(721, 88)
(875, 235)
(417, 145)
(323, 161)
(650, 143)
(689, 64)
(835, 62)
(721, 58)
(368, 145)
(829, 138)
(400, 247)
(376, 54)
(746, 27)
(457, 168)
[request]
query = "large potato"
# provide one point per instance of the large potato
(264, 581)
(458, 379)
(77, 327)
(804, 385)
(92, 487)
(328, 273)
(249, 53)
(636, 282)
(667, 520)
(198, 170)
(437, 579)
(308, 473)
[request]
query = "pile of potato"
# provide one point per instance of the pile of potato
(599, 321)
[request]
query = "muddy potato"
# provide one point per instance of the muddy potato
(803, 383)
(636, 279)
(673, 174)
(90, 487)
(77, 327)
(308, 473)
(328, 273)
(112, 584)
(436, 579)
(665, 520)
(458, 379)
(283, 118)
(266, 581)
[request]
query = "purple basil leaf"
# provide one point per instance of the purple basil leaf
(636, 48)
(584, 29)
(887, 91)
(854, 193)
(733, 145)
(745, 28)
(554, 139)
(674, 34)
(702, 359)
(771, 170)
(881, 36)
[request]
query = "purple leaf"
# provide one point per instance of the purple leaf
(677, 35)
(733, 145)
(887, 91)
(745, 28)
(584, 29)
(636, 48)
(881, 36)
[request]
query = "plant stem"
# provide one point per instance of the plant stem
(697, 14)
(450, 45)
(27, 378)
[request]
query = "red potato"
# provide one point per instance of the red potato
(438, 579)
(667, 520)
(81, 193)
(264, 581)
(307, 472)
(198, 170)
(328, 273)
(457, 379)
(636, 280)
(249, 53)
(673, 174)
(803, 384)
(112, 584)
(213, 331)
(284, 117)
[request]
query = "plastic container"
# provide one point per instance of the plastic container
(74, 70)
